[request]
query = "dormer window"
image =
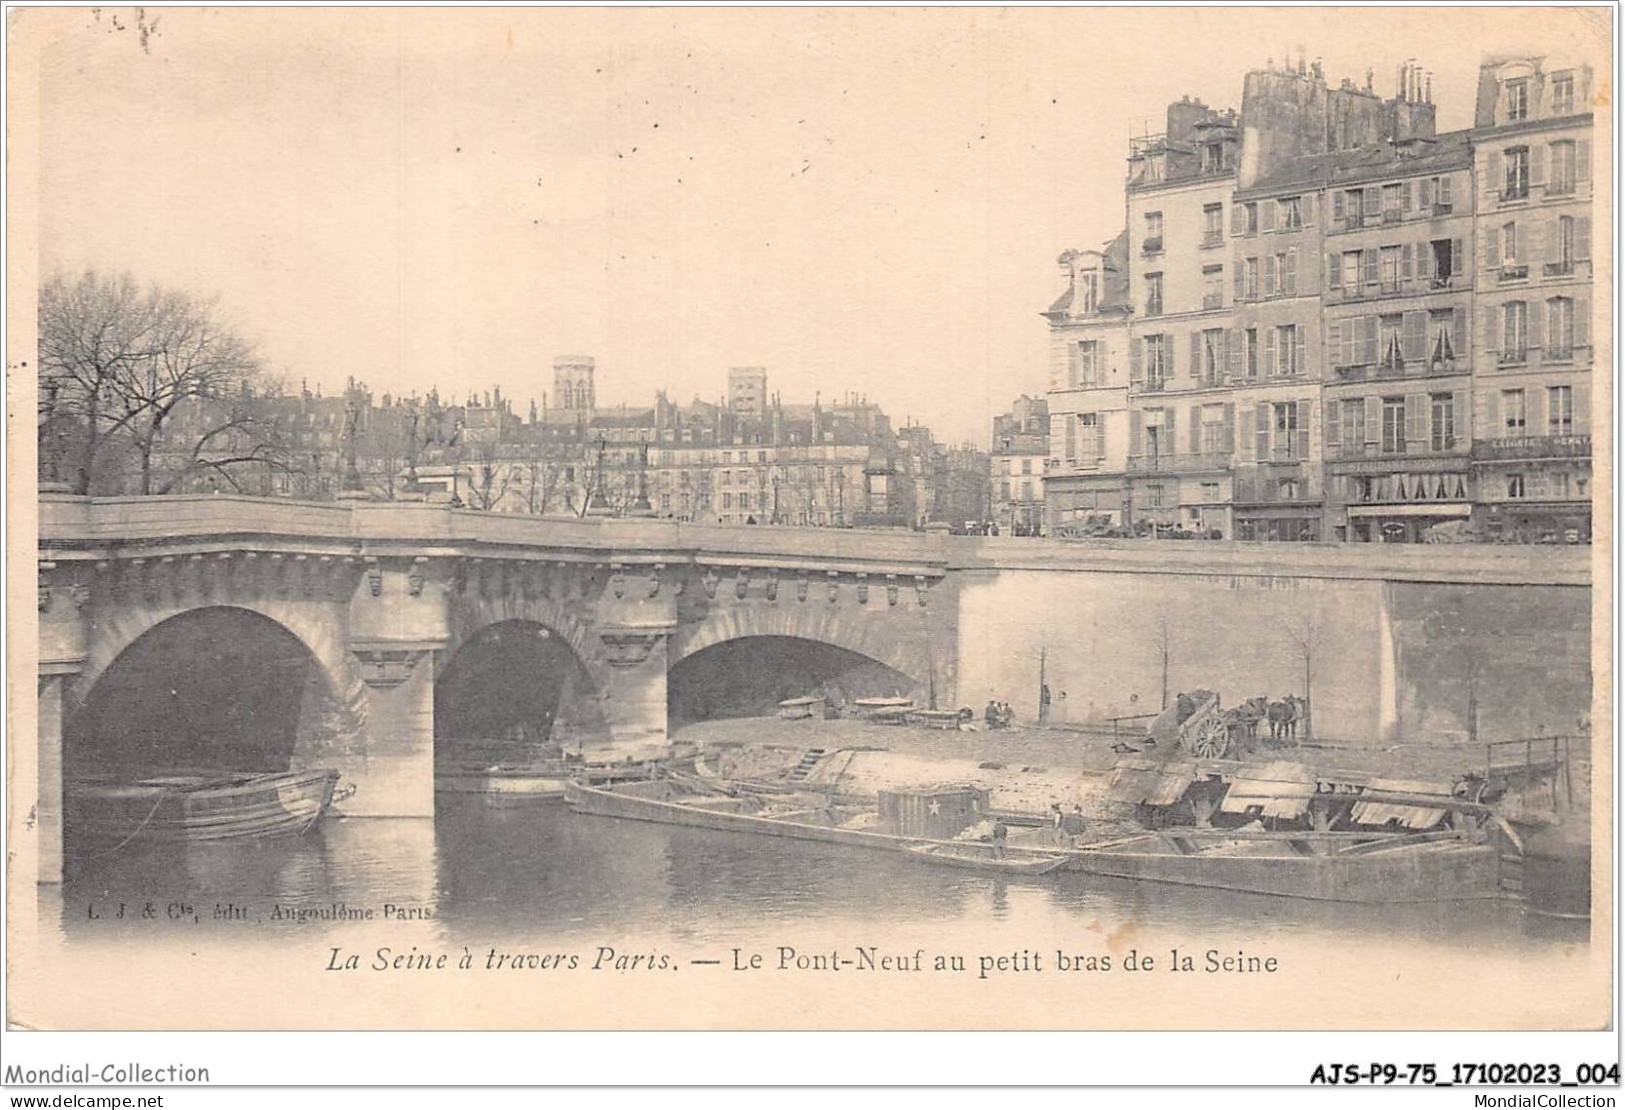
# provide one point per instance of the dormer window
(1212, 157)
(1517, 100)
(1088, 294)
(1562, 94)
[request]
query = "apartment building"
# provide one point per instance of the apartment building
(1085, 476)
(1341, 324)
(1180, 188)
(1021, 439)
(1531, 395)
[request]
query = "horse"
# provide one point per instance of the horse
(1283, 719)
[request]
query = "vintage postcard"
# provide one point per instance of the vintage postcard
(897, 519)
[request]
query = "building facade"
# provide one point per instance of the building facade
(1016, 467)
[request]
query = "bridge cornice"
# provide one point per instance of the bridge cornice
(76, 528)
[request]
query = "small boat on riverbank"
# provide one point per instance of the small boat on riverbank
(520, 784)
(978, 857)
(198, 807)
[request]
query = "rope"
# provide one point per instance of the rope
(163, 794)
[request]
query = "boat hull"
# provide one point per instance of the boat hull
(261, 806)
(1421, 872)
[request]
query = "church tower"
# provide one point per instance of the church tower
(572, 386)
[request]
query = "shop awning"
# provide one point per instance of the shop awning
(1453, 509)
(1279, 789)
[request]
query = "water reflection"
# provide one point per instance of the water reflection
(490, 872)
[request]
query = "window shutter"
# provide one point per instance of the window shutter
(1424, 263)
(1241, 290)
(1490, 427)
(1232, 346)
(1228, 443)
(1304, 409)
(1246, 445)
(1074, 368)
(1136, 368)
(1537, 165)
(1261, 423)
(1333, 426)
(1221, 357)
(1196, 357)
(1237, 218)
(1425, 194)
(1492, 175)
(1373, 420)
(1535, 319)
(1416, 426)
(1369, 351)
(1334, 343)
(1289, 273)
(1337, 205)
(1196, 429)
(1582, 239)
(1414, 335)
(1458, 332)
(1492, 248)
(1582, 164)
(1492, 330)
(1170, 432)
(1405, 196)
(1269, 275)
(1071, 438)
(1170, 366)
(1444, 191)
(1458, 256)
(1582, 321)
(1268, 369)
(1135, 420)
(1582, 409)
(1406, 265)
(1299, 333)
(1100, 438)
(1369, 257)
(1534, 412)
(1371, 200)
(1266, 215)
(1534, 232)
(1334, 271)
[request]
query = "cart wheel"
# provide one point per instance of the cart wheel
(1212, 739)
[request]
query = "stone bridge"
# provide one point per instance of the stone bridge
(359, 635)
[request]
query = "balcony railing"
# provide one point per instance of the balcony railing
(1152, 245)
(1153, 308)
(1516, 356)
(1392, 215)
(1212, 239)
(1433, 366)
(1177, 464)
(1515, 194)
(1151, 385)
(1443, 209)
(1450, 283)
(1515, 273)
(1212, 300)
(1558, 269)
(1274, 485)
(1534, 447)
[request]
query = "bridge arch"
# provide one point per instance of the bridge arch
(889, 639)
(220, 687)
(513, 690)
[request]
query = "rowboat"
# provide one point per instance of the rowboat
(196, 807)
(982, 858)
(525, 783)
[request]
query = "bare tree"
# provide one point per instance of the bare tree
(1162, 638)
(117, 361)
(1306, 636)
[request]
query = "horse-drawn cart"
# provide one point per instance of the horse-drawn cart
(1199, 724)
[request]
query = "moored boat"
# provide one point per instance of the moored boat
(978, 857)
(196, 807)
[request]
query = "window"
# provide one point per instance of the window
(1515, 485)
(1560, 410)
(1393, 425)
(1288, 353)
(1444, 262)
(1212, 286)
(1153, 495)
(1560, 484)
(1514, 332)
(1352, 423)
(1153, 232)
(1517, 100)
(1564, 168)
(1026, 466)
(1212, 356)
(1153, 294)
(1212, 157)
(1559, 328)
(1285, 422)
(1286, 269)
(1156, 361)
(1514, 414)
(1291, 209)
(1351, 270)
(1214, 441)
(1092, 434)
(1565, 247)
(1442, 427)
(1210, 491)
(1212, 224)
(1392, 205)
(1509, 243)
(1562, 94)
(1287, 489)
(1391, 343)
(1436, 192)
(1251, 216)
(1517, 173)
(1250, 284)
(1390, 269)
(1086, 364)
(1441, 328)
(1250, 353)
(727, 501)
(1087, 297)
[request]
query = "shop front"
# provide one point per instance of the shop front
(1278, 523)
(1535, 522)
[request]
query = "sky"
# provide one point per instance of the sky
(865, 201)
